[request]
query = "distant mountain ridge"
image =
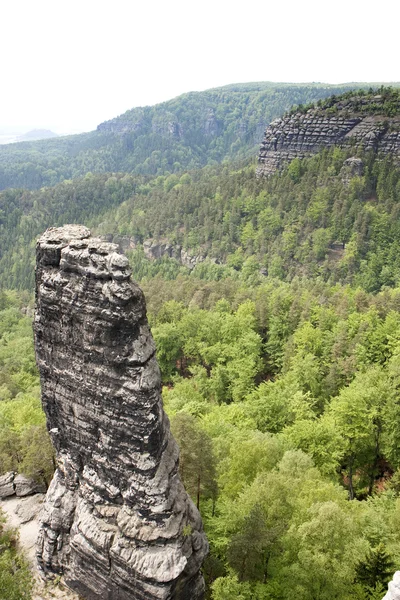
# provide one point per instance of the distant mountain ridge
(36, 134)
(187, 132)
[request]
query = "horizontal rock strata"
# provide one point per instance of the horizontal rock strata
(156, 249)
(300, 135)
(117, 521)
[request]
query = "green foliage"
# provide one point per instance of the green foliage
(222, 343)
(384, 101)
(24, 442)
(15, 576)
(313, 223)
(226, 222)
(227, 588)
(280, 349)
(186, 132)
(197, 463)
(37, 454)
(375, 569)
(249, 549)
(25, 215)
(267, 449)
(319, 418)
(319, 554)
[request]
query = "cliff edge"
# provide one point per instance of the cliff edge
(370, 121)
(117, 521)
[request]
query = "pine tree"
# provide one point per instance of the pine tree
(376, 568)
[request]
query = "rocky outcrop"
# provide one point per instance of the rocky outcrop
(393, 592)
(347, 124)
(117, 521)
(352, 167)
(163, 122)
(154, 250)
(7, 487)
(12, 484)
(29, 508)
(25, 486)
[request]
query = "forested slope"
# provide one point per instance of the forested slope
(316, 219)
(284, 401)
(187, 132)
(25, 214)
(279, 352)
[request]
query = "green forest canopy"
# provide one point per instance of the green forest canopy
(187, 132)
(290, 390)
(313, 220)
(279, 355)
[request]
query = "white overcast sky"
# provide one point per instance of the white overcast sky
(68, 65)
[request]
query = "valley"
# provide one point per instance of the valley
(272, 289)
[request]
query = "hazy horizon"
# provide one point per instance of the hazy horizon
(74, 65)
(12, 131)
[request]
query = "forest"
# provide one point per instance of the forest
(188, 132)
(313, 220)
(279, 353)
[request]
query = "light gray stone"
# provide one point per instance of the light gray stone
(24, 486)
(314, 131)
(29, 508)
(393, 592)
(116, 515)
(7, 487)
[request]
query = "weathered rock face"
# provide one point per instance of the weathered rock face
(7, 487)
(12, 484)
(299, 135)
(117, 520)
(158, 249)
(352, 167)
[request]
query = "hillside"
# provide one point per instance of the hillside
(274, 305)
(368, 120)
(333, 216)
(36, 134)
(188, 132)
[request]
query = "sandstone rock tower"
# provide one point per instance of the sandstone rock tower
(117, 520)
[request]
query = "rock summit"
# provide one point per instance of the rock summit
(117, 522)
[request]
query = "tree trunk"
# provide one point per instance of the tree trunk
(198, 491)
(351, 489)
(266, 561)
(376, 459)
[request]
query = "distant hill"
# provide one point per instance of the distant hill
(36, 134)
(187, 132)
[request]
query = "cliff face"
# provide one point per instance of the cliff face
(158, 249)
(350, 122)
(117, 520)
(164, 122)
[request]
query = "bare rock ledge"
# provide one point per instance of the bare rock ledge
(117, 521)
(302, 135)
